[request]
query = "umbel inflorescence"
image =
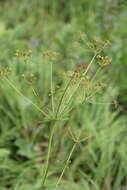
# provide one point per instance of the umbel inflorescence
(83, 79)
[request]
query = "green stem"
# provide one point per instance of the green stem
(84, 74)
(51, 84)
(69, 157)
(66, 164)
(46, 167)
(28, 100)
(62, 97)
(76, 87)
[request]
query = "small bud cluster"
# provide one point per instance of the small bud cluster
(97, 45)
(103, 61)
(81, 67)
(76, 76)
(23, 54)
(5, 71)
(31, 78)
(98, 88)
(51, 55)
(105, 43)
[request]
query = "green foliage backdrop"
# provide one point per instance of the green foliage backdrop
(99, 163)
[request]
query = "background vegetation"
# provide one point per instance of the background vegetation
(98, 163)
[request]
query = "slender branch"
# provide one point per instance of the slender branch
(46, 167)
(51, 84)
(68, 160)
(86, 71)
(27, 99)
(66, 164)
(61, 100)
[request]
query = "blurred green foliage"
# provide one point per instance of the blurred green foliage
(100, 163)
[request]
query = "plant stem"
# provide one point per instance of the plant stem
(46, 167)
(51, 84)
(69, 157)
(57, 112)
(11, 84)
(66, 164)
(80, 80)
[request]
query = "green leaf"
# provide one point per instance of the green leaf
(25, 148)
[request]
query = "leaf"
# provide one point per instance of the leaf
(25, 148)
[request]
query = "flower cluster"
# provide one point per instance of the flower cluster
(97, 45)
(98, 88)
(51, 55)
(23, 54)
(103, 61)
(77, 76)
(5, 71)
(30, 79)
